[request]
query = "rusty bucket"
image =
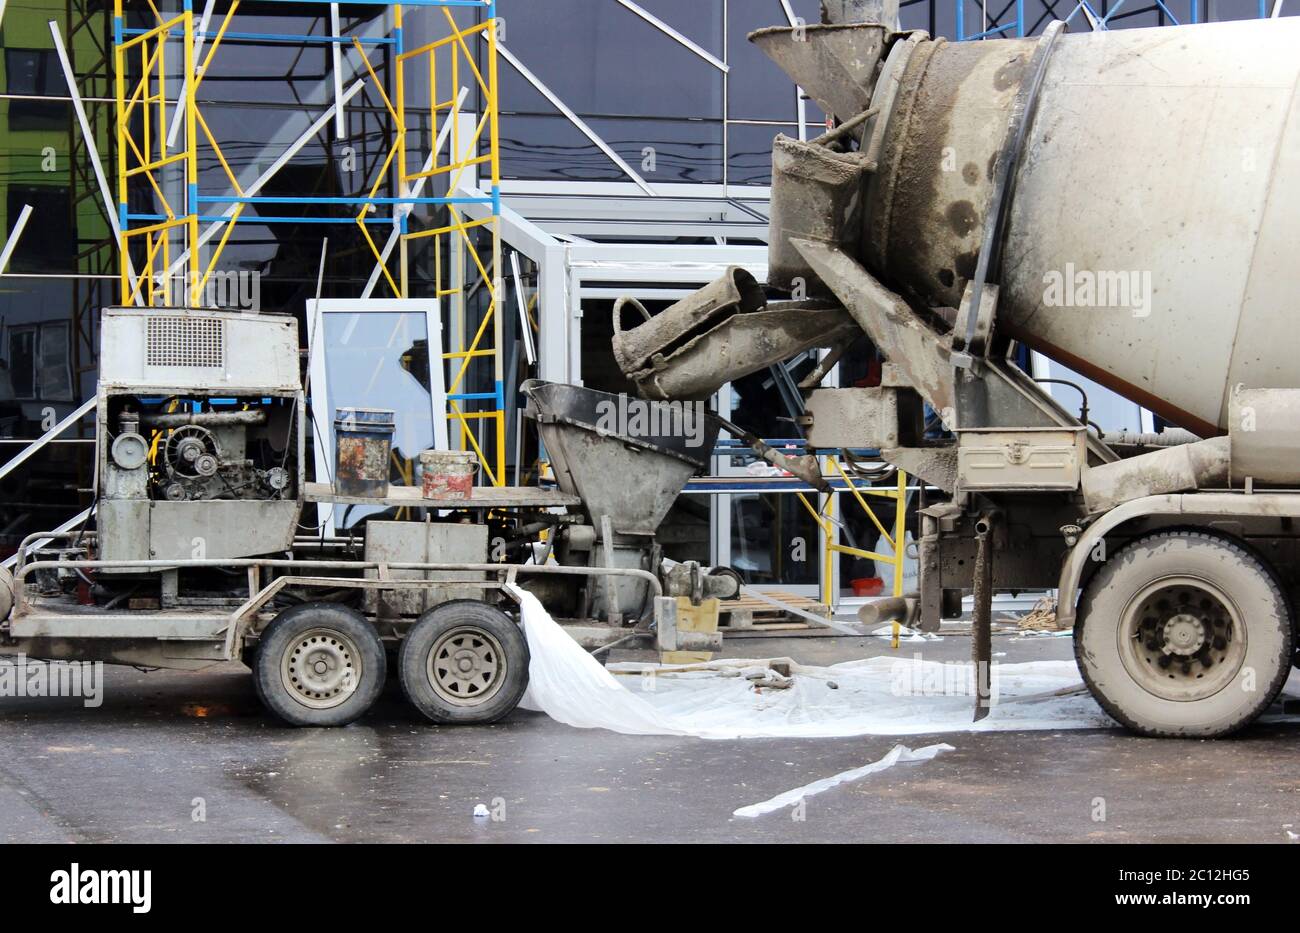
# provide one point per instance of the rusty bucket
(448, 474)
(364, 440)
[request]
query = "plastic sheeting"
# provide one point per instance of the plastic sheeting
(876, 696)
(791, 797)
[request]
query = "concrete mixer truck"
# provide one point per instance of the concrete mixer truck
(1126, 203)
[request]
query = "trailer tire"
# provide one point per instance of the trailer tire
(464, 662)
(319, 664)
(1184, 633)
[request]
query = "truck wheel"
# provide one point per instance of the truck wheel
(464, 662)
(319, 664)
(1183, 633)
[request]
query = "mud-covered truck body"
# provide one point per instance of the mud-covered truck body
(1126, 203)
(211, 543)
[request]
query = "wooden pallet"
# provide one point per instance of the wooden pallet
(748, 612)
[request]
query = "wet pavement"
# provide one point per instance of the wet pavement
(191, 757)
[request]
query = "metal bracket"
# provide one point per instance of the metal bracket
(978, 326)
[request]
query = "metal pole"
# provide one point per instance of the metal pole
(982, 621)
(12, 242)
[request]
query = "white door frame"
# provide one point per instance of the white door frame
(318, 372)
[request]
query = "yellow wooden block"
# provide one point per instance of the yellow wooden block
(685, 657)
(701, 618)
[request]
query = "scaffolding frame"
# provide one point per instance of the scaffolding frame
(453, 237)
(170, 238)
(896, 540)
(1008, 18)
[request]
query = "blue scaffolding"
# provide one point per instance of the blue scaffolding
(1008, 18)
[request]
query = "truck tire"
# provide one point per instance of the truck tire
(464, 662)
(319, 664)
(1183, 633)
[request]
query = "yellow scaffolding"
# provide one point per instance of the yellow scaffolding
(452, 52)
(895, 540)
(170, 235)
(149, 155)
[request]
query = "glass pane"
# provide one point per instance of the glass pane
(773, 539)
(660, 150)
(1107, 410)
(65, 308)
(46, 490)
(749, 151)
(757, 405)
(756, 88)
(380, 360)
(55, 374)
(283, 72)
(938, 19)
(22, 363)
(49, 241)
(23, 70)
(601, 58)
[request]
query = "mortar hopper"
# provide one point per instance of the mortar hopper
(627, 459)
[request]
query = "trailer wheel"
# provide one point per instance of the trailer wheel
(319, 664)
(1183, 633)
(464, 662)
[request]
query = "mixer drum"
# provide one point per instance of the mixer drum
(1152, 212)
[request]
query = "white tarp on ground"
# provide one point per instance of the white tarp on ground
(899, 753)
(876, 696)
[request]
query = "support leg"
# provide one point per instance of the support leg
(982, 625)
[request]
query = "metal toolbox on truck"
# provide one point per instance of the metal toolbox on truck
(1020, 459)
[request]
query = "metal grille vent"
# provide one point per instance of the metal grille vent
(182, 341)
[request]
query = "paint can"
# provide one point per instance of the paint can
(448, 474)
(363, 443)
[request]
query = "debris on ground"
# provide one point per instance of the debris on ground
(767, 677)
(905, 633)
(1042, 617)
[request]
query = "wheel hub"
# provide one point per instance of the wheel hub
(1182, 639)
(1184, 634)
(321, 668)
(466, 666)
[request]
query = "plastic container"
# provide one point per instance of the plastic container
(363, 444)
(448, 474)
(867, 586)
